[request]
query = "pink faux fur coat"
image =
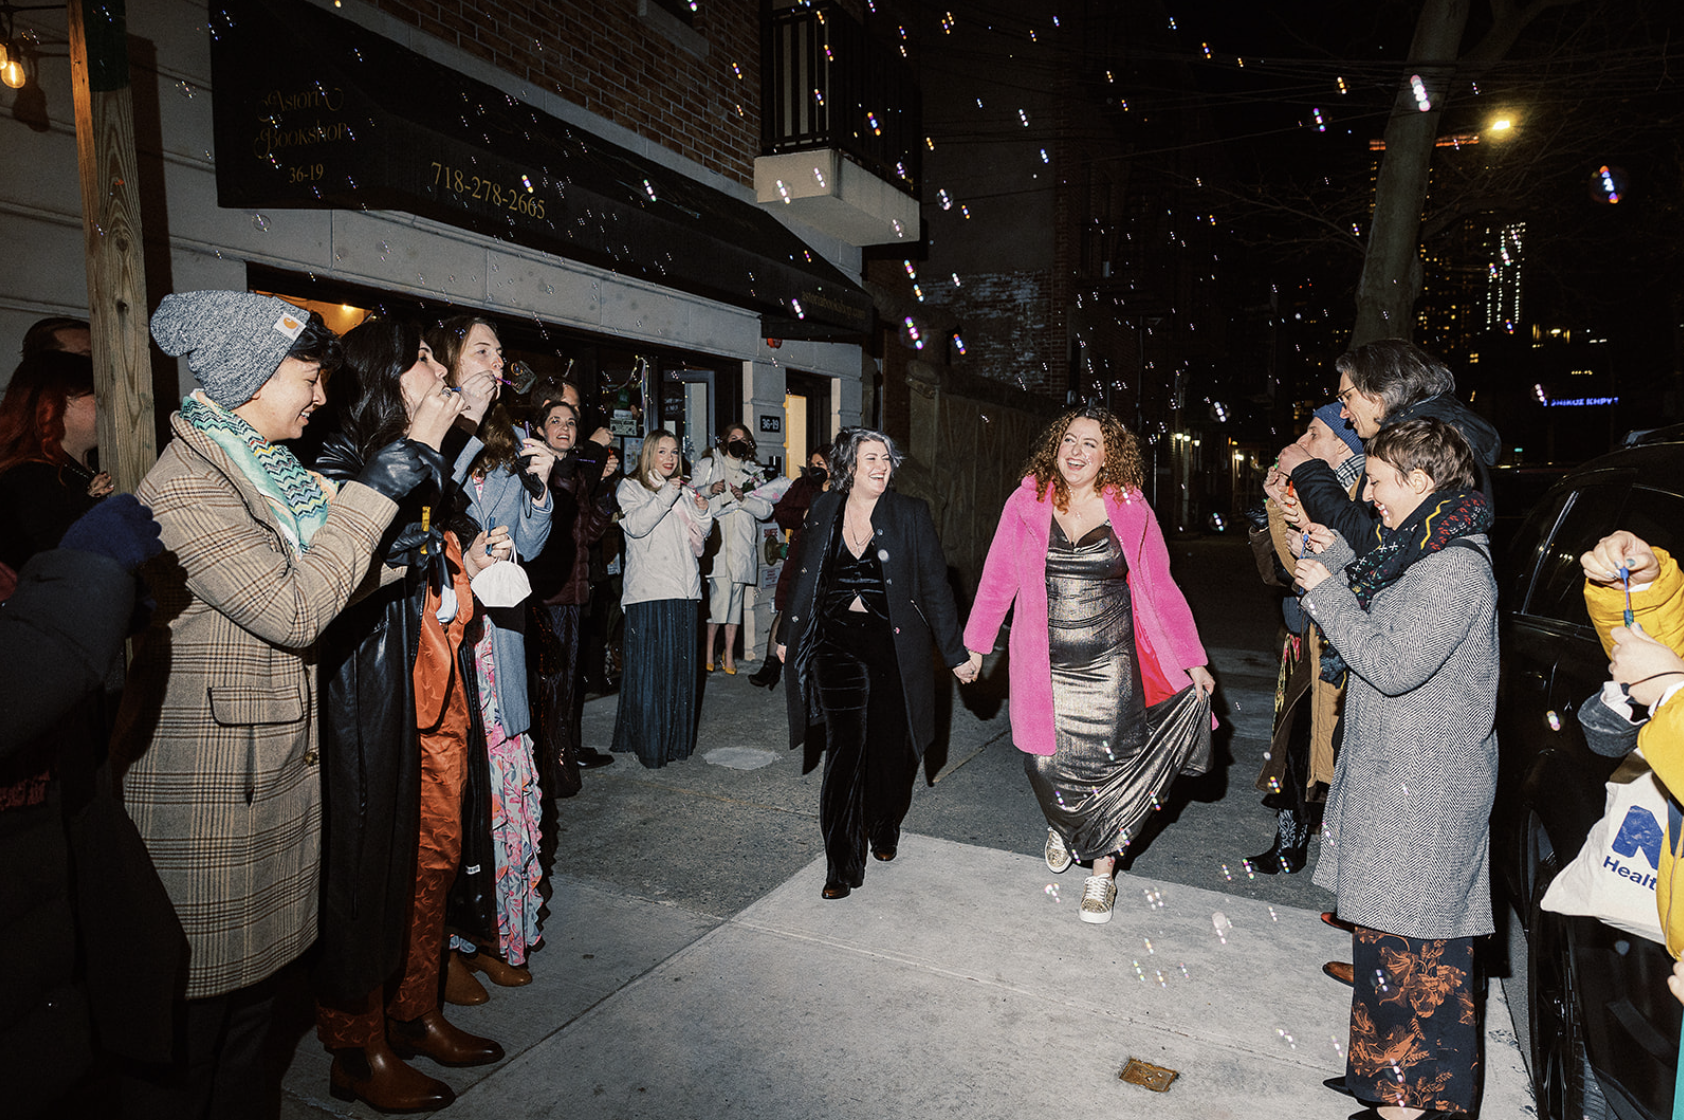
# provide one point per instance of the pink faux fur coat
(1164, 633)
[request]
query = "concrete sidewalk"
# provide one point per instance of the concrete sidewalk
(691, 971)
(957, 982)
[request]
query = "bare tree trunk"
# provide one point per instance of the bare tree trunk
(1391, 267)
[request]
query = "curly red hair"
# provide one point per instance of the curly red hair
(1123, 470)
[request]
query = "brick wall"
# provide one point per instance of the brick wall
(606, 58)
(1006, 320)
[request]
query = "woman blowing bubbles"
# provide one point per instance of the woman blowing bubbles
(1406, 834)
(869, 596)
(1102, 632)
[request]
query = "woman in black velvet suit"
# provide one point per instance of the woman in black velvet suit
(870, 594)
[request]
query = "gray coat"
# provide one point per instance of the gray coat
(1406, 843)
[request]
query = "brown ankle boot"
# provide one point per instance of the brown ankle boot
(499, 971)
(432, 1035)
(378, 1078)
(460, 987)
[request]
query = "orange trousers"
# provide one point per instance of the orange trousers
(444, 724)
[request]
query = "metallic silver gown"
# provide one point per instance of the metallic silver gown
(1115, 758)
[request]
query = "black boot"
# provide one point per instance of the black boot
(1284, 855)
(768, 674)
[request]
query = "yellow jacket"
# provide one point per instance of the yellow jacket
(1659, 609)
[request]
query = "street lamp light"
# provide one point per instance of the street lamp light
(1501, 125)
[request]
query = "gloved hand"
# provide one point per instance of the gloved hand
(119, 527)
(403, 547)
(534, 485)
(398, 468)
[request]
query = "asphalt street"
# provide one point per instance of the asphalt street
(690, 968)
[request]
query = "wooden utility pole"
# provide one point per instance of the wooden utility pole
(105, 156)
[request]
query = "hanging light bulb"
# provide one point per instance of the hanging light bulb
(12, 73)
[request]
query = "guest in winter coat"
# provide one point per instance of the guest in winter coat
(81, 899)
(1108, 681)
(398, 727)
(507, 495)
(728, 476)
(1412, 624)
(216, 745)
(869, 598)
(1381, 384)
(790, 513)
(1645, 660)
(666, 525)
(1298, 766)
(561, 584)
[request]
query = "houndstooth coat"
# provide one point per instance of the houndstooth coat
(1406, 836)
(216, 739)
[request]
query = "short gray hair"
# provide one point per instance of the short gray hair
(847, 449)
(1398, 372)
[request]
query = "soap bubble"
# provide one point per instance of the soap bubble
(260, 223)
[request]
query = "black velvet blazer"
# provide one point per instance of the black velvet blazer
(921, 607)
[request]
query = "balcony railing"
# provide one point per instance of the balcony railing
(826, 84)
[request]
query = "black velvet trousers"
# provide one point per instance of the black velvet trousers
(869, 763)
(560, 700)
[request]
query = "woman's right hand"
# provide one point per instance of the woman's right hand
(433, 416)
(717, 488)
(780, 651)
(1621, 549)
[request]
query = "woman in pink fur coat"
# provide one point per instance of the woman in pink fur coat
(1110, 697)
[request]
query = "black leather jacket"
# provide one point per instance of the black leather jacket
(371, 761)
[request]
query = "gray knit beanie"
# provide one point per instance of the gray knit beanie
(234, 341)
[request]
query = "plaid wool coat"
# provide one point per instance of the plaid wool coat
(216, 739)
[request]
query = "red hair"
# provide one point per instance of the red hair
(32, 411)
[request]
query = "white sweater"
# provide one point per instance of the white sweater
(659, 561)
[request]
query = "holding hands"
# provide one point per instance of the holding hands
(1621, 549)
(968, 671)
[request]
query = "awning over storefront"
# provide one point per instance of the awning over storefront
(313, 111)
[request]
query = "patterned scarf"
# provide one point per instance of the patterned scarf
(1436, 522)
(298, 498)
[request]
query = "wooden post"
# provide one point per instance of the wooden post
(105, 156)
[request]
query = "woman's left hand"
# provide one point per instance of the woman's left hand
(970, 669)
(1309, 574)
(1639, 658)
(101, 485)
(490, 547)
(1202, 680)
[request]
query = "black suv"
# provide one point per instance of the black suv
(1603, 1026)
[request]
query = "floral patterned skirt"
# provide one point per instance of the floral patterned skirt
(1414, 1022)
(515, 810)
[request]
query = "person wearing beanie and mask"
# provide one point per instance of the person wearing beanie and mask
(728, 477)
(1299, 763)
(216, 742)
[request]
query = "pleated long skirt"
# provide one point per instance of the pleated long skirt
(662, 682)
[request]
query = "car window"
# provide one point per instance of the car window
(1558, 590)
(1657, 517)
(1527, 547)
